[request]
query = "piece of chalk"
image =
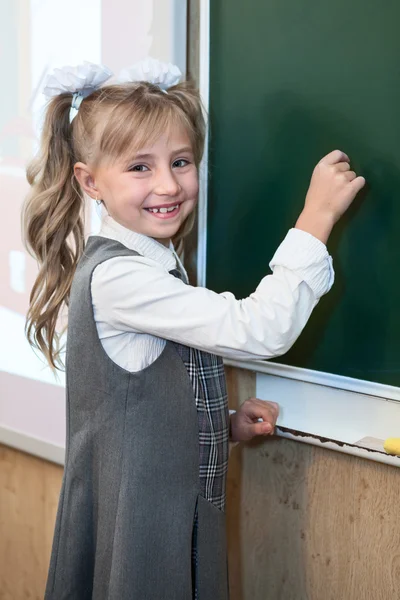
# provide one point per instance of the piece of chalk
(392, 446)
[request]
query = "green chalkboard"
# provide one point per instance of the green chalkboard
(290, 81)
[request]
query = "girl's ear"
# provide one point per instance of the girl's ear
(84, 177)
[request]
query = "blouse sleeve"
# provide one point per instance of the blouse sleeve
(137, 294)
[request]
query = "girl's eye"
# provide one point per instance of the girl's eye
(139, 168)
(182, 162)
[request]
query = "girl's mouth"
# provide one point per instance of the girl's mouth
(164, 212)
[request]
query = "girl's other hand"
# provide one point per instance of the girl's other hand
(332, 189)
(246, 424)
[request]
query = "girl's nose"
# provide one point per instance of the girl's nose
(167, 185)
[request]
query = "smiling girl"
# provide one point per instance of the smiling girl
(141, 512)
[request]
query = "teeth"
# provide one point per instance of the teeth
(163, 210)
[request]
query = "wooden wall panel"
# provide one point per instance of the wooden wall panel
(29, 490)
(305, 523)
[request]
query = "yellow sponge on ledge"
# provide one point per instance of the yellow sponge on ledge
(392, 446)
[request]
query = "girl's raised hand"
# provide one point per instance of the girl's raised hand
(246, 424)
(332, 189)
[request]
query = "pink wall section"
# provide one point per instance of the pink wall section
(37, 408)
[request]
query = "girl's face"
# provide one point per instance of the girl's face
(151, 193)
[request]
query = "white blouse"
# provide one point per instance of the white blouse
(138, 304)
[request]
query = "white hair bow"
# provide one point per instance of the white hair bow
(80, 81)
(154, 71)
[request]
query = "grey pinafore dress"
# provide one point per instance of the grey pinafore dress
(141, 512)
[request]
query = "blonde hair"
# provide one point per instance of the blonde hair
(113, 121)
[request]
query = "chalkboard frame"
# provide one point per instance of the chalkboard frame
(331, 380)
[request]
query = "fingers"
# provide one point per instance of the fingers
(341, 162)
(350, 175)
(333, 187)
(261, 409)
(357, 184)
(262, 429)
(337, 156)
(255, 417)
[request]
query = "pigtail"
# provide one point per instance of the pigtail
(53, 228)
